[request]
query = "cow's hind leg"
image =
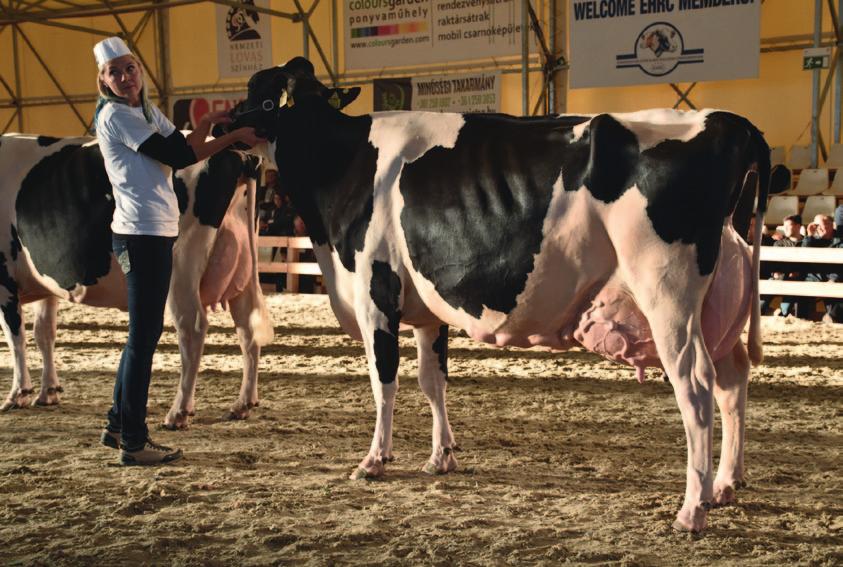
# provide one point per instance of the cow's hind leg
(244, 308)
(730, 390)
(44, 331)
(378, 315)
(13, 328)
(679, 342)
(432, 344)
(191, 324)
(668, 288)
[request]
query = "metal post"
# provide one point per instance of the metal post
(838, 79)
(559, 15)
(551, 32)
(162, 27)
(305, 25)
(16, 55)
(815, 98)
(335, 56)
(525, 54)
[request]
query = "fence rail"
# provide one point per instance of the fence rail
(287, 258)
(802, 256)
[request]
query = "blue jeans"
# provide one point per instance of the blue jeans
(147, 262)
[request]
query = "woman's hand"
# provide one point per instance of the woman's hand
(246, 135)
(218, 117)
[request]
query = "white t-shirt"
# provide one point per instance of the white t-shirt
(143, 187)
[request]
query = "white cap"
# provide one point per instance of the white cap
(110, 48)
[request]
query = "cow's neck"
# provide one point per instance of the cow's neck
(321, 156)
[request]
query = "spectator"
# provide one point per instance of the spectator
(766, 239)
(269, 187)
(821, 234)
(279, 217)
(792, 237)
(766, 272)
(307, 284)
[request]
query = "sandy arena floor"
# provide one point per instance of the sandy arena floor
(565, 459)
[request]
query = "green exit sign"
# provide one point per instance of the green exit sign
(816, 58)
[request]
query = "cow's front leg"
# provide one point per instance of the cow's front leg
(13, 328)
(432, 345)
(191, 324)
(247, 311)
(379, 314)
(44, 330)
(730, 388)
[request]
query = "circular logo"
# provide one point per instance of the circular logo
(659, 48)
(240, 23)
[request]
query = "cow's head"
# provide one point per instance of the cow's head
(274, 91)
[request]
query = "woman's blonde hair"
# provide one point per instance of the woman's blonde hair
(107, 95)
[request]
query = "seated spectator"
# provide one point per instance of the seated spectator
(792, 237)
(307, 283)
(766, 272)
(279, 217)
(766, 239)
(269, 187)
(821, 234)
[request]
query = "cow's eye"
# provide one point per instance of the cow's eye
(267, 105)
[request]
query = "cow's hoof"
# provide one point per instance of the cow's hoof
(724, 496)
(443, 463)
(726, 493)
(369, 468)
(17, 401)
(177, 420)
(691, 522)
(49, 397)
(241, 410)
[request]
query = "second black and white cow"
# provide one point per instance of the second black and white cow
(56, 206)
(613, 231)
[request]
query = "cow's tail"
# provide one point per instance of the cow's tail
(758, 179)
(259, 321)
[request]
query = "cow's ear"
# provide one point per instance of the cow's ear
(340, 98)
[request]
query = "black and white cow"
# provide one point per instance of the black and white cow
(613, 231)
(55, 243)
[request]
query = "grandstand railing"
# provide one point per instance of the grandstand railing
(290, 247)
(802, 256)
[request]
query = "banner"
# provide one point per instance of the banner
(389, 33)
(187, 112)
(472, 92)
(632, 42)
(244, 40)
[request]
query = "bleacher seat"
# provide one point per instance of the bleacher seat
(835, 157)
(818, 205)
(799, 158)
(779, 207)
(811, 182)
(777, 155)
(836, 188)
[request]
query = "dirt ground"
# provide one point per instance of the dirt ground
(565, 459)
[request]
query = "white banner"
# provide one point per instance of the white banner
(244, 40)
(390, 33)
(631, 42)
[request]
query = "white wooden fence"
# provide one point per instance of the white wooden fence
(828, 256)
(286, 258)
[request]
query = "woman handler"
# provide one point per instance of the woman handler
(141, 147)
